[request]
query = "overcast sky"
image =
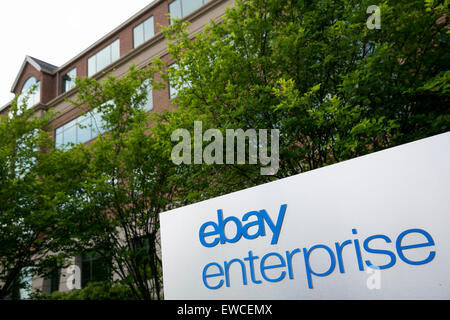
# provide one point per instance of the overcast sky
(54, 31)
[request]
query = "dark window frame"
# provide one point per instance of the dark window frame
(93, 262)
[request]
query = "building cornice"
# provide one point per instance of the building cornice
(127, 57)
(110, 34)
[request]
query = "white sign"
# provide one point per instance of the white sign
(375, 227)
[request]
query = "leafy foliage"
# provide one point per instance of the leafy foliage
(119, 183)
(93, 291)
(27, 217)
(334, 88)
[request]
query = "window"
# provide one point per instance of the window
(143, 32)
(80, 130)
(181, 8)
(68, 80)
(34, 97)
(104, 58)
(142, 255)
(26, 151)
(21, 288)
(54, 280)
(94, 268)
(173, 88)
(141, 245)
(149, 102)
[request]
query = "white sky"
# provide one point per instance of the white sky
(54, 31)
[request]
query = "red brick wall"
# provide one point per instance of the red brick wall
(48, 88)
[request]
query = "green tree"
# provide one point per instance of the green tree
(314, 70)
(27, 216)
(119, 183)
(93, 291)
